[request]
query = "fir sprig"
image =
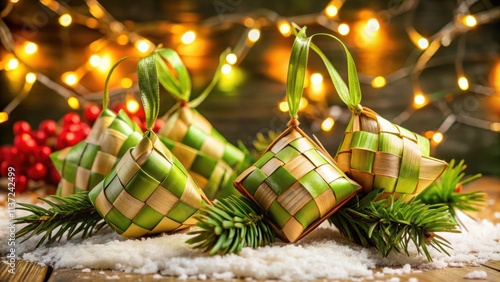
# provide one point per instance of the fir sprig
(228, 226)
(71, 215)
(448, 190)
(390, 225)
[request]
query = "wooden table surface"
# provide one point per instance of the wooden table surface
(32, 272)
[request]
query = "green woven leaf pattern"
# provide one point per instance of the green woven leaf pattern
(148, 192)
(85, 164)
(297, 184)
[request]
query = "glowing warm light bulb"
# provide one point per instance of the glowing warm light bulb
(423, 43)
(372, 25)
(132, 105)
(70, 78)
(316, 78)
(104, 63)
(437, 137)
(122, 39)
(231, 58)
(327, 124)
(285, 28)
(254, 35)
(331, 10)
(303, 103)
(283, 106)
(343, 29)
(73, 103)
(419, 100)
(142, 45)
(378, 82)
(30, 48)
(463, 83)
(30, 78)
(65, 19)
(470, 21)
(226, 69)
(495, 126)
(14, 1)
(95, 60)
(12, 64)
(4, 117)
(126, 82)
(249, 22)
(188, 37)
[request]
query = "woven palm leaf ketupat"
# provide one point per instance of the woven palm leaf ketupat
(296, 182)
(210, 159)
(149, 191)
(375, 152)
(85, 164)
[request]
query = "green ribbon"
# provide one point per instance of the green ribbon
(105, 99)
(351, 96)
(149, 88)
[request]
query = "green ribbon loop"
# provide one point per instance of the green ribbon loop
(297, 72)
(175, 79)
(149, 88)
(105, 98)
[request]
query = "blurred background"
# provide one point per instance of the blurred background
(432, 66)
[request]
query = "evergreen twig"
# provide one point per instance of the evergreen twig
(390, 225)
(70, 215)
(233, 223)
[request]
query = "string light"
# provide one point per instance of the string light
(423, 43)
(343, 29)
(283, 106)
(327, 124)
(470, 21)
(285, 28)
(14, 1)
(495, 126)
(12, 64)
(254, 35)
(126, 82)
(104, 63)
(4, 117)
(132, 104)
(142, 45)
(437, 137)
(372, 25)
(70, 78)
(331, 10)
(226, 69)
(249, 22)
(65, 20)
(30, 78)
(231, 58)
(303, 103)
(378, 82)
(463, 83)
(73, 103)
(316, 78)
(30, 48)
(122, 39)
(419, 100)
(188, 37)
(95, 60)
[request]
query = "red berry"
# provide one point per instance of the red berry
(91, 113)
(119, 106)
(21, 127)
(158, 125)
(25, 143)
(42, 154)
(4, 168)
(53, 175)
(37, 172)
(40, 137)
(71, 138)
(85, 130)
(21, 183)
(75, 128)
(48, 126)
(4, 152)
(71, 118)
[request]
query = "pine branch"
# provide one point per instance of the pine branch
(232, 224)
(447, 190)
(74, 214)
(390, 225)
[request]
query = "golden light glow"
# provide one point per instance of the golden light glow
(437, 137)
(378, 82)
(65, 19)
(285, 28)
(419, 100)
(495, 126)
(92, 23)
(423, 43)
(254, 35)
(14, 1)
(343, 29)
(73, 103)
(95, 60)
(372, 25)
(30, 78)
(122, 39)
(303, 103)
(327, 124)
(248, 22)
(30, 48)
(231, 58)
(4, 117)
(283, 106)
(132, 105)
(96, 11)
(331, 10)
(316, 78)
(142, 45)
(226, 69)
(104, 63)
(12, 64)
(126, 82)
(188, 37)
(70, 78)
(470, 21)
(463, 83)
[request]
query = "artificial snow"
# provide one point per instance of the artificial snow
(324, 254)
(477, 274)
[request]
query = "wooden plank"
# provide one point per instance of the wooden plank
(448, 274)
(64, 275)
(493, 265)
(24, 271)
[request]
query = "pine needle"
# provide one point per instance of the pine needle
(73, 214)
(232, 224)
(391, 225)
